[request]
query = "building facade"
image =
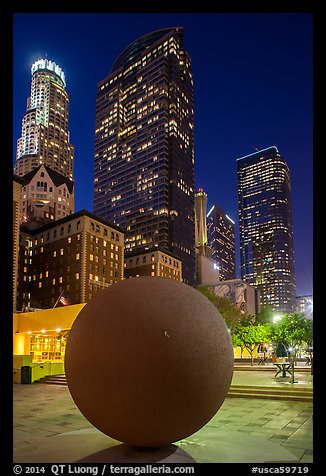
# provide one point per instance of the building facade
(17, 189)
(305, 304)
(153, 262)
(265, 226)
(46, 196)
(241, 294)
(221, 239)
(45, 132)
(75, 256)
(144, 147)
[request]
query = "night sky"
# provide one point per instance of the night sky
(253, 87)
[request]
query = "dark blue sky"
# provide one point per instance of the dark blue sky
(253, 87)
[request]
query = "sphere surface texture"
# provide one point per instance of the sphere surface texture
(149, 361)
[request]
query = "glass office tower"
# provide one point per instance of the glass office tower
(265, 226)
(220, 232)
(144, 147)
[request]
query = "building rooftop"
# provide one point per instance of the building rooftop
(131, 254)
(258, 153)
(56, 177)
(138, 46)
(67, 219)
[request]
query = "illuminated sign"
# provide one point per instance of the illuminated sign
(51, 66)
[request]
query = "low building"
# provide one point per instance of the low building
(152, 262)
(207, 269)
(41, 336)
(70, 259)
(240, 293)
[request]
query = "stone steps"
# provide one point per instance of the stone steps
(298, 394)
(286, 392)
(53, 379)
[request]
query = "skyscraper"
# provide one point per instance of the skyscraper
(221, 239)
(45, 142)
(265, 225)
(144, 147)
(45, 132)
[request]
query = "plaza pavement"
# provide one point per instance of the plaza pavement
(49, 428)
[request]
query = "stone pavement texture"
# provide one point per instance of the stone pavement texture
(49, 428)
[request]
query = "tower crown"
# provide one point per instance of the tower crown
(45, 64)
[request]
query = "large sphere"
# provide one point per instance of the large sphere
(149, 361)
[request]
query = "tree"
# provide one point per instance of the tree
(293, 330)
(230, 313)
(266, 314)
(250, 337)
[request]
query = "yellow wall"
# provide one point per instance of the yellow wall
(245, 353)
(48, 319)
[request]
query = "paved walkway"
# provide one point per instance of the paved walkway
(48, 428)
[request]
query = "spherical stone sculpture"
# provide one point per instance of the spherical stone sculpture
(149, 361)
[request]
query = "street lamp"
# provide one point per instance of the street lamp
(277, 317)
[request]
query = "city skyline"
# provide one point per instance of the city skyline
(249, 94)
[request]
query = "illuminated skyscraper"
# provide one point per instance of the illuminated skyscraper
(45, 133)
(45, 142)
(220, 233)
(265, 225)
(144, 147)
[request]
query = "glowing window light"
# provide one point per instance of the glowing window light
(210, 211)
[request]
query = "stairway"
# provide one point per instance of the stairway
(293, 393)
(288, 393)
(53, 379)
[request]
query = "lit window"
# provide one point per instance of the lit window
(77, 255)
